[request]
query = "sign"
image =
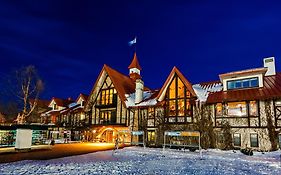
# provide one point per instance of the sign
(182, 133)
(137, 133)
(190, 133)
(173, 133)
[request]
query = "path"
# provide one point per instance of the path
(56, 151)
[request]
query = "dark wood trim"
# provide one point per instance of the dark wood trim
(248, 112)
(259, 114)
(215, 113)
(127, 116)
(121, 108)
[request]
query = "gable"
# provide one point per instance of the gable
(175, 72)
(52, 103)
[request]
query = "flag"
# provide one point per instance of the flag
(134, 41)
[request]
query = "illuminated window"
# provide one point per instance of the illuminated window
(108, 117)
(219, 109)
(237, 139)
(172, 89)
(150, 112)
(180, 89)
(253, 108)
(107, 97)
(181, 107)
(178, 102)
(237, 109)
(172, 107)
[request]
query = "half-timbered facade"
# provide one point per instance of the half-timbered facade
(250, 103)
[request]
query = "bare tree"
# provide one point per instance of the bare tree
(25, 84)
(272, 133)
(203, 123)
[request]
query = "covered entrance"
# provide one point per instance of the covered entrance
(108, 134)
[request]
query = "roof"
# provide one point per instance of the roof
(244, 72)
(174, 71)
(203, 90)
(135, 63)
(271, 90)
(61, 102)
(122, 83)
(83, 96)
(149, 99)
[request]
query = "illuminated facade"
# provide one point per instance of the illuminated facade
(119, 104)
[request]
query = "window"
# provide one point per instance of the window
(236, 139)
(254, 140)
(55, 107)
(178, 102)
(253, 108)
(218, 109)
(244, 83)
(150, 120)
(108, 116)
(237, 109)
(107, 97)
(172, 108)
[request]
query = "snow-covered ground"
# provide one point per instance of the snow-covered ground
(136, 160)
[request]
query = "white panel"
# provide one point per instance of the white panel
(23, 139)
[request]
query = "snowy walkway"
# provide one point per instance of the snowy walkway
(135, 160)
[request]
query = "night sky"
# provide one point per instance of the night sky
(69, 41)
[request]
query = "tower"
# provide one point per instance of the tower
(134, 72)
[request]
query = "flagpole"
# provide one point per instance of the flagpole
(136, 44)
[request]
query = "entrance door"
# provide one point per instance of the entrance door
(151, 137)
(109, 136)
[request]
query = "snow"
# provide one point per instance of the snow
(130, 102)
(202, 91)
(136, 160)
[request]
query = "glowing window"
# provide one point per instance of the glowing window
(180, 89)
(172, 107)
(219, 109)
(237, 109)
(172, 89)
(253, 108)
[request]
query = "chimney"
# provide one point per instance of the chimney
(270, 64)
(139, 91)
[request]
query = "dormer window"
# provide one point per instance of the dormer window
(82, 103)
(243, 83)
(55, 107)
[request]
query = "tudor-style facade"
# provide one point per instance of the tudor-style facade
(119, 104)
(246, 99)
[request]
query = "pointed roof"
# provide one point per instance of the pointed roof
(135, 63)
(122, 83)
(61, 102)
(83, 96)
(164, 88)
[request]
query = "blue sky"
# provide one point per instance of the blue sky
(69, 41)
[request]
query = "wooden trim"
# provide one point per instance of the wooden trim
(248, 112)
(259, 114)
